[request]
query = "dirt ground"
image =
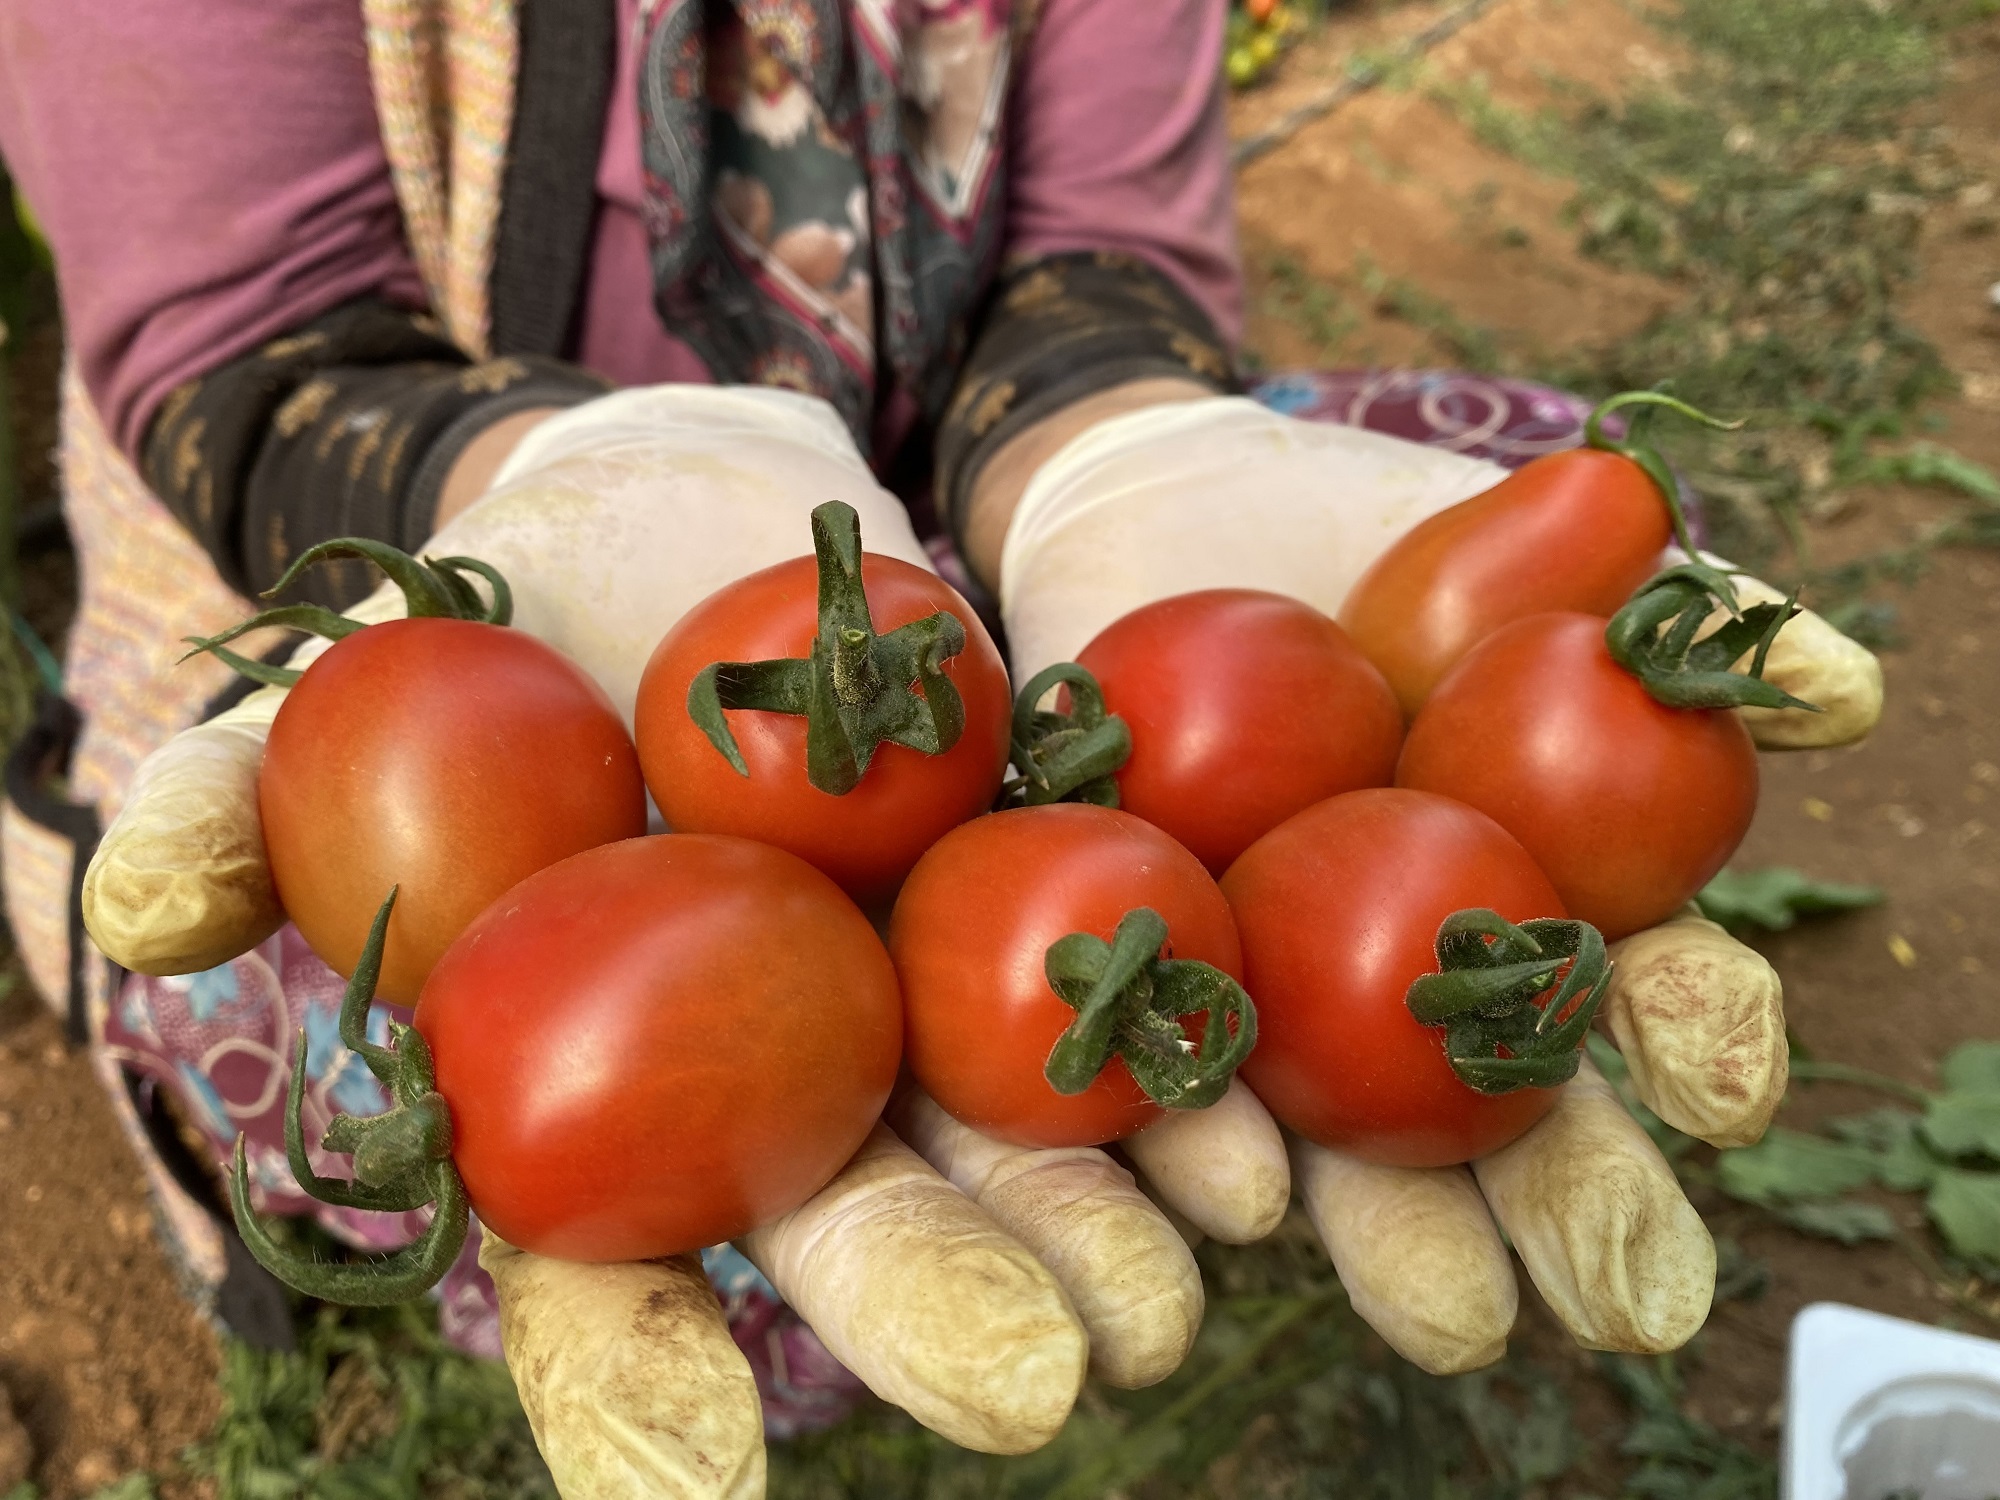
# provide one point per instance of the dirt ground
(111, 1371)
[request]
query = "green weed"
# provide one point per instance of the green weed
(1314, 308)
(1776, 897)
(1285, 1395)
(1677, 1457)
(372, 1406)
(1465, 342)
(1943, 1144)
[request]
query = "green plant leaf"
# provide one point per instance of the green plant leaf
(1927, 463)
(1679, 1457)
(1965, 1206)
(1789, 1166)
(1739, 1276)
(1847, 1220)
(1961, 1124)
(1902, 1162)
(1531, 1443)
(1972, 1068)
(1776, 897)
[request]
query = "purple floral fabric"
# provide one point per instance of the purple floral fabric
(1507, 422)
(222, 1041)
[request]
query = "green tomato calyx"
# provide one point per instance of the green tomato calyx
(433, 588)
(1490, 976)
(402, 1160)
(856, 689)
(1653, 638)
(1129, 1001)
(1066, 757)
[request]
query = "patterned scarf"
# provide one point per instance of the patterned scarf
(823, 191)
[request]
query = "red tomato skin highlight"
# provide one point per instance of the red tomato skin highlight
(448, 758)
(868, 839)
(1629, 806)
(660, 1044)
(1245, 707)
(1338, 909)
(1576, 530)
(970, 934)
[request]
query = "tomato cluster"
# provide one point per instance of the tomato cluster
(1373, 862)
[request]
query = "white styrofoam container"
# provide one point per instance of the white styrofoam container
(1878, 1407)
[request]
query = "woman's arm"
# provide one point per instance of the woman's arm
(997, 489)
(238, 296)
(1123, 286)
(363, 422)
(209, 174)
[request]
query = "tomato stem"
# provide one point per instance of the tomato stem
(402, 1160)
(856, 689)
(1490, 973)
(435, 588)
(1654, 638)
(1640, 451)
(1129, 1001)
(1066, 757)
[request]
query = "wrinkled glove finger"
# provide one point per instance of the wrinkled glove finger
(912, 1287)
(629, 1377)
(1417, 1251)
(1127, 1271)
(180, 882)
(1700, 1019)
(1192, 1237)
(1595, 1214)
(1223, 1168)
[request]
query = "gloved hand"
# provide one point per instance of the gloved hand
(1224, 493)
(970, 1282)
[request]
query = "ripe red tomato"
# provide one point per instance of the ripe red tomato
(868, 838)
(1577, 530)
(970, 937)
(1339, 910)
(658, 1045)
(1244, 708)
(1629, 806)
(449, 758)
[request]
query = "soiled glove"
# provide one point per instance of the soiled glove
(1225, 493)
(976, 1302)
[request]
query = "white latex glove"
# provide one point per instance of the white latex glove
(975, 1306)
(1225, 493)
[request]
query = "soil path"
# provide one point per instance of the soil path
(109, 1368)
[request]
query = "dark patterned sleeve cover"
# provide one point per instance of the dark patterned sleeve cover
(344, 427)
(1059, 328)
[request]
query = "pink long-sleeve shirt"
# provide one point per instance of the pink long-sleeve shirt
(209, 174)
